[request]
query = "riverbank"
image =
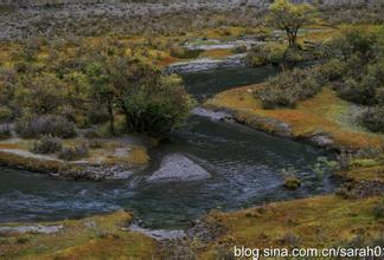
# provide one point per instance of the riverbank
(114, 158)
(351, 216)
(325, 120)
(104, 236)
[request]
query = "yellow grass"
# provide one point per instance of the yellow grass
(321, 113)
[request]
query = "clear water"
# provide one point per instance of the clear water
(245, 166)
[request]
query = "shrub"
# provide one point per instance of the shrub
(47, 144)
(74, 153)
(240, 49)
(352, 91)
(291, 182)
(366, 89)
(333, 69)
(378, 210)
(270, 53)
(43, 94)
(152, 103)
(373, 119)
(5, 132)
(98, 115)
(355, 40)
(177, 51)
(36, 126)
(289, 87)
(5, 113)
(96, 144)
(92, 133)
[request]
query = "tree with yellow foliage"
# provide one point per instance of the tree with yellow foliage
(291, 17)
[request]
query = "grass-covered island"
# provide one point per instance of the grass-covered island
(93, 91)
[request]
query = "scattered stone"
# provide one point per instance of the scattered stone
(158, 234)
(322, 140)
(214, 115)
(178, 168)
(97, 172)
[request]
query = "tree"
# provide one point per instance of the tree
(290, 17)
(102, 89)
(152, 102)
(41, 94)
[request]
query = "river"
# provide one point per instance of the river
(245, 167)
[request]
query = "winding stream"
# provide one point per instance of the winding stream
(245, 166)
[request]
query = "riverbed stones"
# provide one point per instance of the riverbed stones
(207, 64)
(97, 173)
(321, 139)
(213, 115)
(178, 168)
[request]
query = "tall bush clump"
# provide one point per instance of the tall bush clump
(289, 87)
(36, 126)
(270, 53)
(43, 94)
(152, 103)
(366, 89)
(373, 118)
(74, 153)
(46, 144)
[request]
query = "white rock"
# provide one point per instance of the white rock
(178, 168)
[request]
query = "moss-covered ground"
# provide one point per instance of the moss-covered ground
(325, 113)
(98, 237)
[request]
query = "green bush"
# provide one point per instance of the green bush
(373, 119)
(5, 113)
(74, 153)
(5, 132)
(289, 87)
(98, 115)
(354, 91)
(46, 144)
(270, 53)
(96, 144)
(177, 51)
(366, 89)
(355, 40)
(240, 49)
(43, 94)
(333, 70)
(36, 126)
(378, 210)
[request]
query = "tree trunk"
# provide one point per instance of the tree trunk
(111, 117)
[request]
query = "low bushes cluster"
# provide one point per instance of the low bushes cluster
(365, 87)
(373, 118)
(240, 49)
(5, 114)
(270, 53)
(46, 144)
(378, 210)
(289, 87)
(358, 73)
(74, 153)
(36, 126)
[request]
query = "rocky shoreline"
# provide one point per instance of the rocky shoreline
(206, 64)
(67, 170)
(271, 126)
